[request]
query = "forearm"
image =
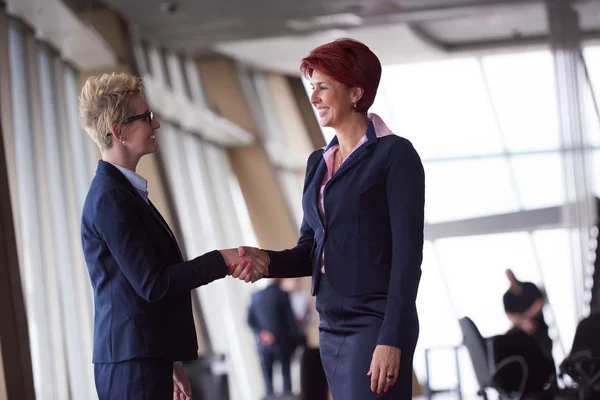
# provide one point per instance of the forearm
(535, 310)
(291, 263)
(516, 319)
(401, 304)
(185, 276)
(153, 281)
(135, 252)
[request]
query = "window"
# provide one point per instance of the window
(488, 134)
(50, 183)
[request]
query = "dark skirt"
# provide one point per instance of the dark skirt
(348, 335)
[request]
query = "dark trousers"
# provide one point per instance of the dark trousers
(313, 383)
(137, 379)
(267, 359)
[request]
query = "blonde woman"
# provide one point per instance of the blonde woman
(143, 319)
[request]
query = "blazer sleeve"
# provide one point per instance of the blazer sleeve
(405, 187)
(118, 222)
(297, 262)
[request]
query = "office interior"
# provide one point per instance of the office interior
(501, 98)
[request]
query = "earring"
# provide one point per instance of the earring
(354, 105)
(123, 142)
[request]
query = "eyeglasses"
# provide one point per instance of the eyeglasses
(149, 116)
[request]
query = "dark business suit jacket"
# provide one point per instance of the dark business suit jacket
(373, 233)
(271, 310)
(141, 284)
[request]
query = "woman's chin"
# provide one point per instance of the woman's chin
(151, 150)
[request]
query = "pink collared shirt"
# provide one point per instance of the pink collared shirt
(381, 130)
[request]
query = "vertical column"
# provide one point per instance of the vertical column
(579, 212)
(6, 112)
(270, 217)
(16, 377)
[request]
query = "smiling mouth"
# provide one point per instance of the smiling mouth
(153, 137)
(322, 111)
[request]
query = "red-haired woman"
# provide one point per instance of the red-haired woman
(362, 234)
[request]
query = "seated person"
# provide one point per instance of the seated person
(540, 370)
(523, 304)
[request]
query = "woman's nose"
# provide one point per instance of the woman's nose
(314, 97)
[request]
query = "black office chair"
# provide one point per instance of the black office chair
(504, 362)
(583, 363)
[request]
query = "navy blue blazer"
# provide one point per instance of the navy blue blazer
(142, 300)
(271, 310)
(373, 233)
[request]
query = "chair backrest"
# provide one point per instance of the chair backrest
(587, 335)
(520, 364)
(477, 349)
(582, 363)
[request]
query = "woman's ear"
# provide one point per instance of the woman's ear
(357, 94)
(117, 133)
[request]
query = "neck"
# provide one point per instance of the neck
(120, 158)
(351, 131)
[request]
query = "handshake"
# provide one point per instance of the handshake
(248, 264)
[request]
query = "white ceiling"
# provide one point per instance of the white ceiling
(393, 44)
(77, 42)
(258, 31)
(506, 28)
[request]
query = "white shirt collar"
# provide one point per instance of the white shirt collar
(136, 180)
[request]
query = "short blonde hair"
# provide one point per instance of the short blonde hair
(104, 102)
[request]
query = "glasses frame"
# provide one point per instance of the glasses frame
(149, 116)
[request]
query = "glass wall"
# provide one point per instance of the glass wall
(288, 162)
(53, 173)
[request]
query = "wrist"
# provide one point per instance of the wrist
(228, 269)
(266, 254)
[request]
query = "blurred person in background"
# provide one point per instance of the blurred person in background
(272, 320)
(143, 319)
(362, 232)
(302, 306)
(523, 304)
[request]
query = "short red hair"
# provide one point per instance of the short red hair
(349, 62)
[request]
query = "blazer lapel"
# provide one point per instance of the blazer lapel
(160, 219)
(352, 161)
(317, 179)
(358, 154)
(107, 168)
